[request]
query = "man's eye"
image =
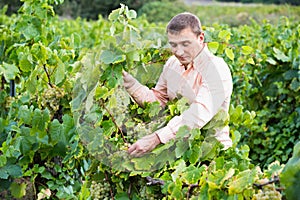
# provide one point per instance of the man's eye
(185, 44)
(173, 45)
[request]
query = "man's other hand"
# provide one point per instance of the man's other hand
(144, 145)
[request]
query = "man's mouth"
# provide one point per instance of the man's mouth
(182, 58)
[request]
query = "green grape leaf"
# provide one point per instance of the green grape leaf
(3, 173)
(40, 119)
(228, 174)
(290, 74)
(280, 55)
(271, 61)
(290, 174)
(224, 35)
(25, 64)
(241, 181)
(29, 31)
(18, 190)
(114, 15)
(131, 14)
(10, 71)
(109, 57)
(31, 83)
(181, 148)
(25, 114)
(143, 163)
(195, 154)
(76, 40)
(192, 174)
(2, 160)
(59, 73)
(295, 85)
(55, 132)
(175, 189)
(14, 171)
(180, 167)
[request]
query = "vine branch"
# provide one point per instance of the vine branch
(275, 180)
(110, 189)
(114, 121)
(152, 181)
(48, 76)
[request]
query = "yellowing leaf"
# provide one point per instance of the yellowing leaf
(251, 61)
(229, 53)
(224, 35)
(213, 46)
(240, 182)
(143, 163)
(246, 50)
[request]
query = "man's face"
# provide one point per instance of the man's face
(186, 45)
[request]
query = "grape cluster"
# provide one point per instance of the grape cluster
(141, 129)
(51, 98)
(49, 164)
(268, 192)
(123, 99)
(100, 190)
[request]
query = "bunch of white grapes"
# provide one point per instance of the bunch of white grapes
(268, 192)
(100, 190)
(51, 98)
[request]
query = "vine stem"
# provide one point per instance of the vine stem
(114, 121)
(110, 189)
(275, 180)
(152, 181)
(48, 76)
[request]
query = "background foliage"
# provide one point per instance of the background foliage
(42, 153)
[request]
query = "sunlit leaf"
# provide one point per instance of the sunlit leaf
(241, 181)
(224, 35)
(229, 53)
(280, 55)
(10, 71)
(213, 47)
(246, 50)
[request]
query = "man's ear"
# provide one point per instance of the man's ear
(201, 36)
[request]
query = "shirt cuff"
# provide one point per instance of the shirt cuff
(165, 134)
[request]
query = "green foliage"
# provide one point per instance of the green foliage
(155, 11)
(292, 2)
(233, 15)
(290, 174)
(65, 133)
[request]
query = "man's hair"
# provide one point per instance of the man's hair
(183, 21)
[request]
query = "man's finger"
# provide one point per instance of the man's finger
(137, 153)
(131, 149)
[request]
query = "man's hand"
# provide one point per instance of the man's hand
(144, 145)
(128, 80)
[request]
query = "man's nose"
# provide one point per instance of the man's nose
(179, 51)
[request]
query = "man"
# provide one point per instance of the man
(192, 72)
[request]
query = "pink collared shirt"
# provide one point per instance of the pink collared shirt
(206, 83)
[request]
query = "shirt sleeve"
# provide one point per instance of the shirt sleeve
(141, 93)
(215, 89)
